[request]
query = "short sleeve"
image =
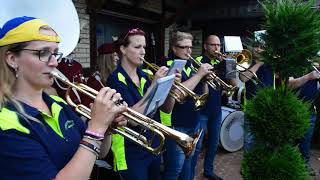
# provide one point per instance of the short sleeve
(121, 88)
(23, 157)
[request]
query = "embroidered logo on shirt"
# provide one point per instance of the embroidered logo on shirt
(69, 124)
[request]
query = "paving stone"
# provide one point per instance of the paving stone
(227, 165)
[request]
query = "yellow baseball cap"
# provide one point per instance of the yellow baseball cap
(24, 29)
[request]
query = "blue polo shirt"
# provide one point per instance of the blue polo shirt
(184, 115)
(266, 77)
(309, 92)
(30, 150)
(124, 150)
(213, 104)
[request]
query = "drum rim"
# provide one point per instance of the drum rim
(224, 124)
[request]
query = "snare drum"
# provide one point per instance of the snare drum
(231, 133)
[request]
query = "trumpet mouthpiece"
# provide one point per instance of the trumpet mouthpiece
(59, 75)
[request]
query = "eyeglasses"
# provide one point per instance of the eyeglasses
(184, 47)
(46, 55)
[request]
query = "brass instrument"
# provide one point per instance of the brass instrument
(244, 60)
(186, 142)
(314, 66)
(199, 100)
(214, 80)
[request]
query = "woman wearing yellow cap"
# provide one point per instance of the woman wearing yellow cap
(40, 136)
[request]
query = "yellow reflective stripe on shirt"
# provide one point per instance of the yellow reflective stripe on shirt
(58, 99)
(148, 71)
(169, 63)
(53, 121)
(119, 155)
(214, 62)
(187, 71)
(165, 118)
(142, 83)
(9, 120)
(121, 78)
(199, 58)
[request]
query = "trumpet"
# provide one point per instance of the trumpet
(214, 80)
(199, 100)
(186, 142)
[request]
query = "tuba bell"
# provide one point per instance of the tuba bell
(243, 59)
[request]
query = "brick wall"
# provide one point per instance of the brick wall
(82, 51)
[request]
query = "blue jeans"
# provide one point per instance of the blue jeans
(142, 169)
(176, 165)
(305, 142)
(213, 125)
(248, 139)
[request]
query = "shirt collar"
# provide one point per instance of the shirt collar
(31, 110)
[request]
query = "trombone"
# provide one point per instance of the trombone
(186, 142)
(214, 80)
(199, 100)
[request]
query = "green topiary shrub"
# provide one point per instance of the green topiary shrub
(277, 117)
(292, 36)
(284, 163)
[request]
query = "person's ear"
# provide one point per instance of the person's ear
(174, 49)
(205, 46)
(11, 60)
(123, 50)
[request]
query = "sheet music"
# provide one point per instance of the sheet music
(158, 94)
(232, 44)
(178, 64)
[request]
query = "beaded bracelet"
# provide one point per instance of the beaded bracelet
(90, 147)
(95, 135)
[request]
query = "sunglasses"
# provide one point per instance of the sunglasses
(132, 31)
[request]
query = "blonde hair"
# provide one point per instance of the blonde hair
(8, 79)
(177, 36)
(105, 65)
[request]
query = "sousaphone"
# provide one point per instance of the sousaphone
(61, 15)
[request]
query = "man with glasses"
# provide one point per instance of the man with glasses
(210, 115)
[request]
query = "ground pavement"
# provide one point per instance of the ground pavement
(227, 165)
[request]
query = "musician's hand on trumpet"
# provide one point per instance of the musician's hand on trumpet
(204, 70)
(105, 109)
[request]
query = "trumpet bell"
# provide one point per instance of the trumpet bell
(189, 147)
(200, 101)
